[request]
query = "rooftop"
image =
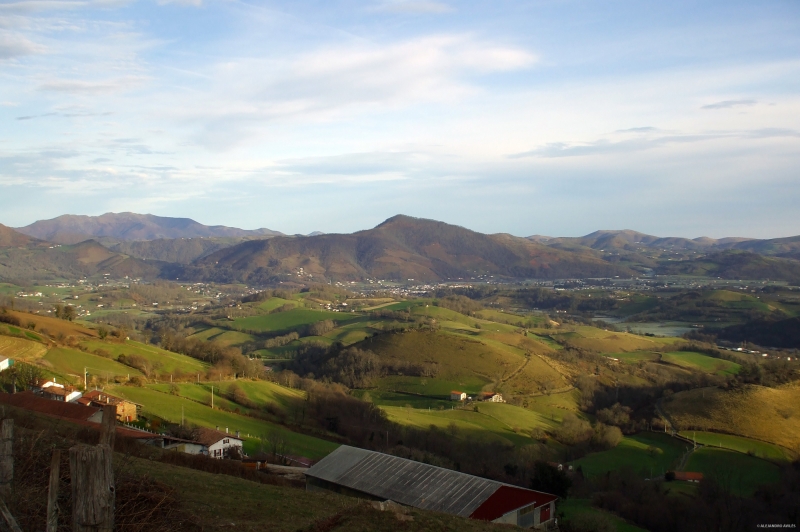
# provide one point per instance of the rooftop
(422, 485)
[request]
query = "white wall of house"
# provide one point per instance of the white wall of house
(217, 450)
(5, 364)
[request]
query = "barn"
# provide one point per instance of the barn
(378, 476)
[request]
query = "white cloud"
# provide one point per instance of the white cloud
(84, 86)
(12, 46)
(195, 3)
(727, 104)
(414, 7)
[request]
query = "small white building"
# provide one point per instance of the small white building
(455, 395)
(218, 444)
(6, 363)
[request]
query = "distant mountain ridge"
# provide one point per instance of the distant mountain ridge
(401, 248)
(128, 227)
(633, 240)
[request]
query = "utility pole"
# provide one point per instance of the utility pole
(84, 378)
(212, 398)
(181, 415)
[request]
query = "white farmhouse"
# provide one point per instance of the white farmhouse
(218, 444)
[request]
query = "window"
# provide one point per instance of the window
(526, 510)
(226, 441)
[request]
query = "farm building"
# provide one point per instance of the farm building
(455, 395)
(126, 410)
(218, 444)
(688, 476)
(6, 363)
(492, 397)
(56, 392)
(377, 476)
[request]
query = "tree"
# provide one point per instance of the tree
(26, 375)
(549, 479)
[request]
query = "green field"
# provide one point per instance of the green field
(701, 362)
(757, 448)
(275, 302)
(291, 319)
(635, 356)
(70, 363)
(740, 473)
(168, 407)
(469, 424)
(573, 508)
(168, 361)
(649, 454)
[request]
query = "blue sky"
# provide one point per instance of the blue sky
(553, 117)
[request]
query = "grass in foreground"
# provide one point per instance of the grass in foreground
(573, 508)
(220, 501)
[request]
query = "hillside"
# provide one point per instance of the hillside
(175, 250)
(43, 262)
(11, 238)
(734, 264)
(401, 248)
(128, 226)
(767, 414)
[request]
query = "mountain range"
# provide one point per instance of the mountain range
(402, 248)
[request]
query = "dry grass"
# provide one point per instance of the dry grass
(19, 349)
(54, 326)
(767, 414)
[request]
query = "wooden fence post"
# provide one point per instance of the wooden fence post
(52, 494)
(92, 488)
(6, 456)
(109, 428)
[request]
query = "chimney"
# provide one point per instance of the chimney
(226, 430)
(217, 427)
(237, 434)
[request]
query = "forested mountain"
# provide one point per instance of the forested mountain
(127, 226)
(401, 248)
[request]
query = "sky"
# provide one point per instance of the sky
(551, 117)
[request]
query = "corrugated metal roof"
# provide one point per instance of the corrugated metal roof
(405, 481)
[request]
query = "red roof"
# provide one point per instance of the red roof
(60, 409)
(688, 475)
(507, 499)
(209, 437)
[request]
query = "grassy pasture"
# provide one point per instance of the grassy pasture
(291, 319)
(21, 349)
(648, 454)
(743, 474)
(69, 363)
(553, 407)
(635, 356)
(468, 424)
(766, 414)
(170, 362)
(168, 407)
(759, 449)
(276, 302)
(701, 362)
(573, 508)
(439, 388)
(608, 341)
